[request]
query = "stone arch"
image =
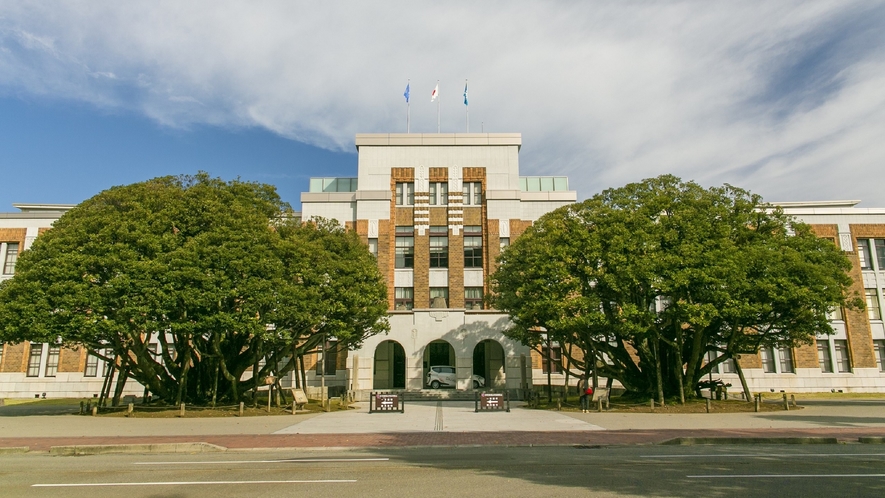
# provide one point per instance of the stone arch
(389, 368)
(489, 363)
(438, 352)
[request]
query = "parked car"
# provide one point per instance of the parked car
(444, 375)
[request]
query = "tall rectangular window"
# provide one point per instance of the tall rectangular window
(405, 194)
(331, 359)
(504, 241)
(873, 304)
(472, 193)
(52, 360)
(403, 298)
(439, 297)
(34, 360)
(439, 247)
(880, 354)
(823, 356)
(785, 355)
(1, 353)
(843, 359)
(10, 258)
(768, 360)
(472, 247)
(439, 194)
(105, 365)
(864, 255)
(835, 314)
(551, 359)
(880, 254)
(91, 366)
(405, 247)
(373, 247)
(473, 298)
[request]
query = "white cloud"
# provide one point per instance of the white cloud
(784, 98)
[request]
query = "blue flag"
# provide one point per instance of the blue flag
(406, 94)
(465, 92)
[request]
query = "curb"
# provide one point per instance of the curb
(14, 449)
(871, 440)
(102, 449)
(688, 441)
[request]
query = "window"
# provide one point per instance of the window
(104, 367)
(823, 356)
(473, 298)
(472, 193)
(10, 258)
(403, 298)
(864, 255)
(405, 194)
(405, 247)
(873, 304)
(505, 242)
(767, 355)
(439, 247)
(880, 254)
(880, 354)
(1, 353)
(373, 247)
(34, 360)
(439, 194)
(331, 359)
(439, 297)
(52, 360)
(91, 366)
(551, 362)
(786, 360)
(843, 361)
(835, 314)
(726, 366)
(472, 247)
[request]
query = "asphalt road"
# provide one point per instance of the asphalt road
(710, 471)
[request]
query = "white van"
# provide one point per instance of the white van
(444, 375)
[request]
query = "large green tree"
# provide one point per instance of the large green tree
(217, 274)
(647, 279)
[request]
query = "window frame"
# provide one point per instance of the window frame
(874, 311)
(53, 355)
(403, 298)
(471, 193)
(439, 194)
(843, 360)
(439, 247)
(824, 357)
(769, 359)
(10, 257)
(554, 360)
(34, 367)
(322, 367)
(473, 257)
(373, 246)
(404, 248)
(442, 292)
(879, 352)
(91, 367)
(864, 254)
(473, 302)
(404, 193)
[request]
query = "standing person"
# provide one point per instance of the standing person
(586, 393)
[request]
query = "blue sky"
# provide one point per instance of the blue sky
(784, 98)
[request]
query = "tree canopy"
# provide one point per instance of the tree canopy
(647, 279)
(188, 282)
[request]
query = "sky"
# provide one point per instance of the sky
(786, 99)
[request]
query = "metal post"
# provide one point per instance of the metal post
(241, 408)
(549, 367)
(323, 374)
(708, 405)
(786, 403)
(181, 410)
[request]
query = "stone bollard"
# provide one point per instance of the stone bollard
(558, 402)
(181, 409)
(130, 408)
(599, 405)
(82, 407)
(241, 408)
(793, 400)
(652, 403)
(757, 399)
(708, 405)
(88, 407)
(786, 403)
(95, 411)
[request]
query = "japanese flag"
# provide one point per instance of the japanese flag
(435, 93)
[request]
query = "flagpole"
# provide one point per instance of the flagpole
(437, 108)
(408, 109)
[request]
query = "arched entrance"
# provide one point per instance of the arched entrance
(389, 371)
(488, 363)
(437, 353)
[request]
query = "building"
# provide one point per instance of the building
(436, 210)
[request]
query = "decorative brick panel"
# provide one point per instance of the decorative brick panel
(438, 174)
(72, 360)
(421, 273)
(439, 217)
(14, 358)
(806, 356)
(750, 361)
(402, 174)
(456, 270)
(13, 235)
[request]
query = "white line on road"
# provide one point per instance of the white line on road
(714, 476)
(295, 460)
(187, 483)
(791, 455)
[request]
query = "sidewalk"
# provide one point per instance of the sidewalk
(449, 424)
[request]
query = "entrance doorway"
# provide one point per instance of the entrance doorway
(437, 353)
(488, 363)
(389, 370)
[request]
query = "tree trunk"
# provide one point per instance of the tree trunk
(740, 372)
(121, 384)
(303, 373)
(658, 373)
(182, 380)
(680, 374)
